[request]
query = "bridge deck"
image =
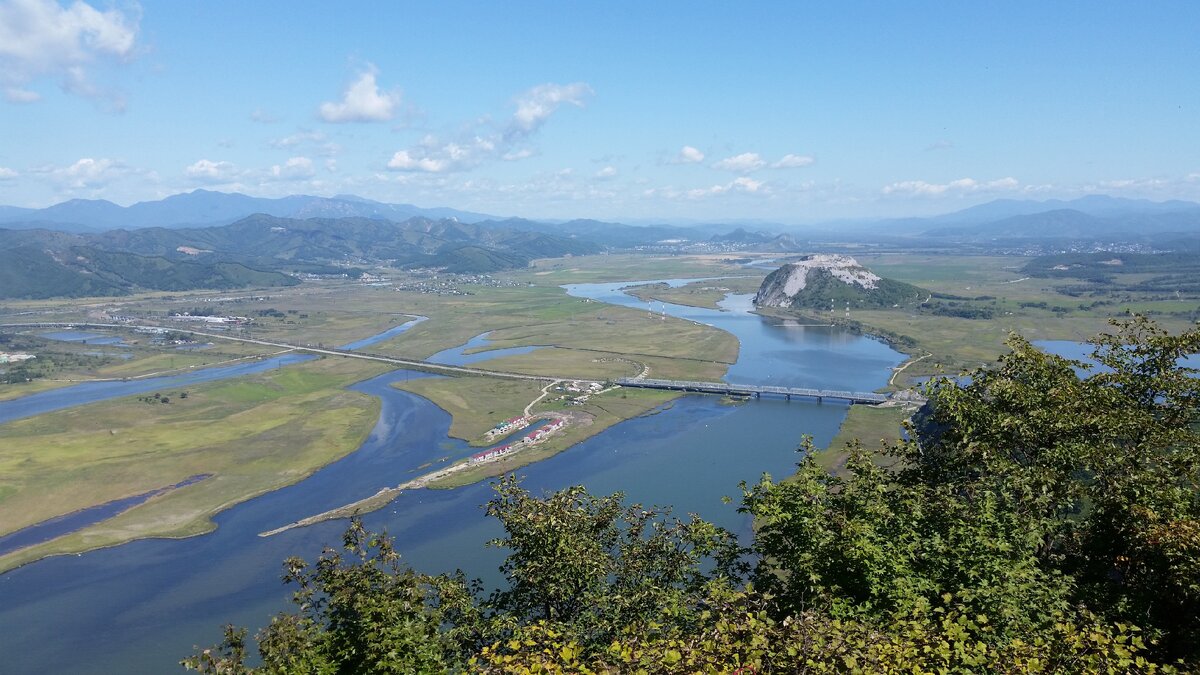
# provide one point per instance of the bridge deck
(755, 390)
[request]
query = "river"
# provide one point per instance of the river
(142, 606)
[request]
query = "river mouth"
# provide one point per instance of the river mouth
(142, 606)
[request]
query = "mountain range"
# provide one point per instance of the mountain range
(254, 250)
(205, 207)
(1093, 216)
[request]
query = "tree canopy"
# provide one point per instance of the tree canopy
(1043, 516)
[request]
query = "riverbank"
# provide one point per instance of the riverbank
(253, 435)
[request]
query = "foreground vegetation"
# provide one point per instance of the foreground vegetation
(1037, 522)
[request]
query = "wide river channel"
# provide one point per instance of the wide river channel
(140, 607)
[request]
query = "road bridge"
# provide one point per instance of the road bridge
(756, 390)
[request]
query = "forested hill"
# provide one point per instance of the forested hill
(413, 241)
(34, 272)
(833, 281)
(253, 252)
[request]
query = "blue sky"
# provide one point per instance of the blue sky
(791, 112)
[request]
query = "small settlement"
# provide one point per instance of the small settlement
(532, 437)
(508, 426)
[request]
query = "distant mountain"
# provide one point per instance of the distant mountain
(1092, 215)
(1075, 224)
(1093, 205)
(758, 241)
(415, 242)
(607, 234)
(56, 265)
(205, 207)
(253, 250)
(832, 281)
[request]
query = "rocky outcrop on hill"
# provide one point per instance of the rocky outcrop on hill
(824, 281)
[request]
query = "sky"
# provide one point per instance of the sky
(789, 112)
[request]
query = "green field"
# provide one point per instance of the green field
(704, 294)
(252, 435)
(475, 404)
(875, 427)
(62, 364)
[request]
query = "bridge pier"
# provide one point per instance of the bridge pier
(789, 396)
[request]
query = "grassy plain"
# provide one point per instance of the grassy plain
(546, 316)
(704, 294)
(873, 426)
(252, 435)
(260, 433)
(64, 363)
(609, 268)
(475, 404)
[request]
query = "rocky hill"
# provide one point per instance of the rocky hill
(824, 281)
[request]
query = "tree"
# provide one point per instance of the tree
(1030, 496)
(596, 568)
(359, 610)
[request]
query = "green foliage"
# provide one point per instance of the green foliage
(1027, 494)
(598, 567)
(1039, 521)
(359, 610)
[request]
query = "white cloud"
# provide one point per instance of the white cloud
(296, 168)
(920, 188)
(88, 172)
(362, 102)
(790, 161)
(208, 171)
(7, 174)
(482, 142)
(535, 106)
(317, 142)
(404, 161)
(742, 184)
(514, 155)
(298, 138)
(689, 155)
(40, 38)
(19, 95)
(607, 172)
(942, 144)
(747, 161)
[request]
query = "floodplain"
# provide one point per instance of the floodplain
(257, 433)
